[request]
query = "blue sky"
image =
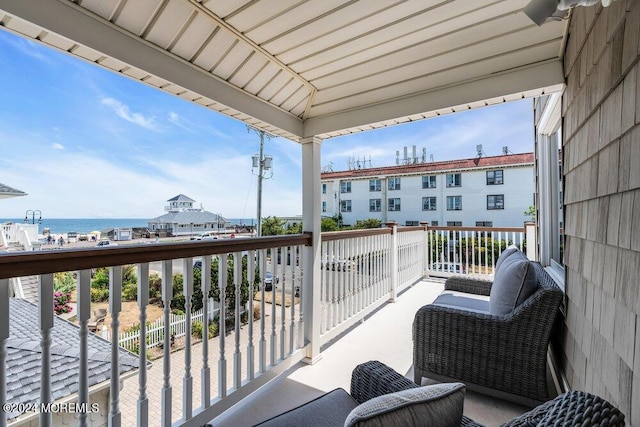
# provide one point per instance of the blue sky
(84, 142)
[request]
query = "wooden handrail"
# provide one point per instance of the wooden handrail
(482, 229)
(328, 236)
(44, 262)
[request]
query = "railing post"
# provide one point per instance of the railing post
(115, 306)
(4, 336)
(45, 306)
(393, 294)
(425, 252)
(167, 296)
(143, 302)
(532, 243)
(83, 313)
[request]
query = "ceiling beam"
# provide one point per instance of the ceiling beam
(70, 21)
(501, 84)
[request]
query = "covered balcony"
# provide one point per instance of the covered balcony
(314, 70)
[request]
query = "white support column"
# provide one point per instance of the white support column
(45, 307)
(530, 235)
(205, 372)
(393, 294)
(4, 336)
(311, 213)
(84, 309)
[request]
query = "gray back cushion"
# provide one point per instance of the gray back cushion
(504, 255)
(433, 405)
(513, 283)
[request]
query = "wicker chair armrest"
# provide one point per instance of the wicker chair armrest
(373, 379)
(468, 285)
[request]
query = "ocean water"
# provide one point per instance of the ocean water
(86, 225)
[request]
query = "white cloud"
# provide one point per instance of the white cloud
(57, 146)
(124, 112)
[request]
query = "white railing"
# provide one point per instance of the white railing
(469, 251)
(362, 270)
(22, 234)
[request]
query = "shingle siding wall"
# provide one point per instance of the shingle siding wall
(601, 110)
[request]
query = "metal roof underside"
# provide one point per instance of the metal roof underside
(301, 68)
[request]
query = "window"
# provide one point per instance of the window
(429, 181)
(454, 180)
(324, 206)
(428, 203)
(324, 188)
(484, 223)
(394, 184)
(495, 177)
(345, 186)
(394, 204)
(345, 205)
(375, 205)
(495, 201)
(411, 223)
(454, 223)
(375, 185)
(454, 203)
(434, 223)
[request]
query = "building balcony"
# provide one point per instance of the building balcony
(351, 301)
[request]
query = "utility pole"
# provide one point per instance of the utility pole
(264, 165)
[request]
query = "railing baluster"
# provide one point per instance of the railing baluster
(205, 372)
(237, 356)
(115, 306)
(143, 301)
(301, 342)
(272, 337)
(283, 329)
(187, 381)
(251, 267)
(167, 296)
(294, 264)
(222, 362)
(83, 313)
(263, 340)
(4, 336)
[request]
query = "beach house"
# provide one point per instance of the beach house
(313, 70)
(183, 219)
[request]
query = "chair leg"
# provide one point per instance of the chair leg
(417, 375)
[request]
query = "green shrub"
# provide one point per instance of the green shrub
(64, 282)
(99, 295)
(129, 291)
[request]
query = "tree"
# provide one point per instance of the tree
(272, 226)
(367, 223)
(295, 228)
(328, 224)
(531, 212)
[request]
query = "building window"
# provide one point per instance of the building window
(411, 223)
(375, 185)
(429, 181)
(454, 203)
(434, 223)
(394, 184)
(495, 201)
(324, 206)
(345, 187)
(495, 177)
(345, 205)
(484, 223)
(324, 188)
(454, 223)
(454, 179)
(394, 204)
(428, 203)
(375, 205)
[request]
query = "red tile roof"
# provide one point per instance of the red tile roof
(478, 162)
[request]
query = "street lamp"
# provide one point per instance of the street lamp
(33, 214)
(265, 171)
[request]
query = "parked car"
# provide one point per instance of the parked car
(446, 267)
(269, 280)
(106, 243)
(205, 236)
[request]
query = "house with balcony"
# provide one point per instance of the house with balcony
(183, 219)
(312, 71)
(490, 191)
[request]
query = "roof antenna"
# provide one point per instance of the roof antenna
(479, 150)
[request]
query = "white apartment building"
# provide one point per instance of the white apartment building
(483, 191)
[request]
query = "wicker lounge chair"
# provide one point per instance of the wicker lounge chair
(98, 316)
(374, 384)
(501, 355)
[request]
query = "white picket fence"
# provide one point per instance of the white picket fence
(155, 329)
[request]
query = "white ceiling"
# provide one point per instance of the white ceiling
(300, 68)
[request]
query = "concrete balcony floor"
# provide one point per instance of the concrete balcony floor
(385, 336)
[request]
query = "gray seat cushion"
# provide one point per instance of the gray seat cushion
(330, 409)
(504, 255)
(434, 405)
(463, 301)
(513, 283)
